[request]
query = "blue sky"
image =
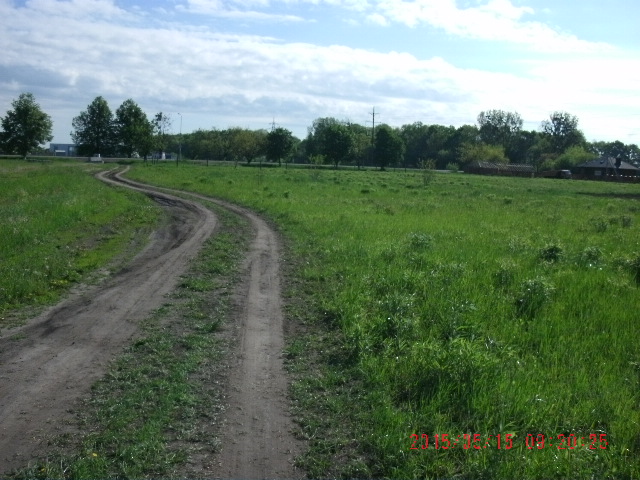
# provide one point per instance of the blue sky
(248, 63)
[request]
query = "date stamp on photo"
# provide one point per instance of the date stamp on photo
(507, 441)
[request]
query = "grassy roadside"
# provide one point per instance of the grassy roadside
(60, 225)
(159, 402)
(476, 305)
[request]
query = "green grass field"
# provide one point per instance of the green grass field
(59, 224)
(470, 307)
(473, 305)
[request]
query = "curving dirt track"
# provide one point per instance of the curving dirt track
(46, 365)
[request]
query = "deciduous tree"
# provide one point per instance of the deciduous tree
(133, 131)
(245, 144)
(497, 127)
(481, 152)
(279, 144)
(562, 131)
(573, 156)
(25, 127)
(338, 143)
(93, 130)
(389, 147)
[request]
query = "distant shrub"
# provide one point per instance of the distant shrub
(590, 256)
(428, 171)
(503, 278)
(453, 167)
(532, 296)
(599, 224)
(420, 240)
(552, 252)
(632, 264)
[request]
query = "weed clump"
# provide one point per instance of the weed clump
(599, 224)
(591, 256)
(532, 296)
(503, 278)
(419, 240)
(551, 253)
(633, 265)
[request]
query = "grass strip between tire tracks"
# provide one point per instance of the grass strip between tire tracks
(156, 404)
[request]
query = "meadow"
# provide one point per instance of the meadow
(456, 306)
(58, 226)
(460, 306)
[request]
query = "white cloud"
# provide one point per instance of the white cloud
(225, 79)
(237, 9)
(494, 20)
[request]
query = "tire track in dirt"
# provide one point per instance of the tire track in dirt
(257, 440)
(67, 348)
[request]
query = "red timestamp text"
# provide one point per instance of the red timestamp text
(506, 441)
(466, 441)
(592, 441)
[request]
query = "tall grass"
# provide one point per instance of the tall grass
(58, 223)
(471, 305)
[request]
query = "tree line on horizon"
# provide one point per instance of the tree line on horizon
(497, 137)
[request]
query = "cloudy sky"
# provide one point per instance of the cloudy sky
(248, 63)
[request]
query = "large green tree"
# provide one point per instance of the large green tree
(25, 127)
(497, 127)
(133, 130)
(93, 130)
(338, 143)
(562, 131)
(361, 148)
(414, 136)
(389, 147)
(245, 144)
(279, 144)
(315, 142)
(205, 144)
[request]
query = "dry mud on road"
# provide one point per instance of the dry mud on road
(52, 361)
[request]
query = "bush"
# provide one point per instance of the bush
(428, 171)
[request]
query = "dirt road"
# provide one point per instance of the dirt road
(46, 365)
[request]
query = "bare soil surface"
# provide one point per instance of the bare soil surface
(52, 361)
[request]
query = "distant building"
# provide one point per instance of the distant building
(63, 149)
(607, 169)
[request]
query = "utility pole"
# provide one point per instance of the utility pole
(373, 134)
(373, 125)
